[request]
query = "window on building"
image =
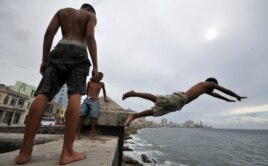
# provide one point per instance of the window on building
(16, 118)
(1, 115)
(51, 108)
(21, 103)
(32, 93)
(6, 99)
(7, 117)
(29, 104)
(13, 100)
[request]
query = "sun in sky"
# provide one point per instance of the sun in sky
(211, 33)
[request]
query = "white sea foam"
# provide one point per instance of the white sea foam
(140, 142)
(135, 138)
(162, 146)
(153, 153)
(169, 163)
(135, 155)
(143, 144)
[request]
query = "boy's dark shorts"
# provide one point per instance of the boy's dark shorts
(66, 64)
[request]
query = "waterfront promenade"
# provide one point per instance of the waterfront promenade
(102, 151)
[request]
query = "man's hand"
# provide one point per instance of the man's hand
(43, 68)
(241, 97)
(95, 72)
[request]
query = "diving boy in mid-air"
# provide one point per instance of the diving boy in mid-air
(175, 101)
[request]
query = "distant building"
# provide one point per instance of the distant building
(164, 122)
(189, 124)
(62, 97)
(52, 108)
(60, 116)
(13, 105)
(16, 100)
(139, 122)
(24, 88)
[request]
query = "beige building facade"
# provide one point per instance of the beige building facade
(13, 106)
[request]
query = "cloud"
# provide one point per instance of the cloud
(158, 47)
(246, 117)
(246, 110)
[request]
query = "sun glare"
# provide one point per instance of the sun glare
(211, 34)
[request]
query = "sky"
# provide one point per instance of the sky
(159, 47)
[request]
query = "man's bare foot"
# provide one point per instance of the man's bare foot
(22, 159)
(69, 158)
(128, 94)
(24, 156)
(129, 119)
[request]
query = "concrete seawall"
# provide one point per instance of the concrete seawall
(106, 150)
(102, 151)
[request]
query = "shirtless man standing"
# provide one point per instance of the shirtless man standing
(67, 63)
(91, 104)
(175, 101)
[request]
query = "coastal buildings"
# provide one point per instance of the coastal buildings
(60, 116)
(143, 123)
(62, 97)
(13, 105)
(52, 108)
(15, 101)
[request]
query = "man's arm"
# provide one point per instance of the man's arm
(104, 92)
(88, 85)
(91, 42)
(229, 92)
(48, 39)
(213, 94)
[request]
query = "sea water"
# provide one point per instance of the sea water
(200, 147)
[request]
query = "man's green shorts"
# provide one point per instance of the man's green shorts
(68, 64)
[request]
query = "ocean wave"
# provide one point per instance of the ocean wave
(169, 163)
(153, 153)
(140, 142)
(185, 146)
(161, 146)
(143, 144)
(135, 137)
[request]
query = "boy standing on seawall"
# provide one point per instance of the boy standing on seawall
(91, 104)
(67, 63)
(175, 101)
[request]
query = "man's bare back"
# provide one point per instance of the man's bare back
(73, 23)
(197, 90)
(76, 25)
(207, 88)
